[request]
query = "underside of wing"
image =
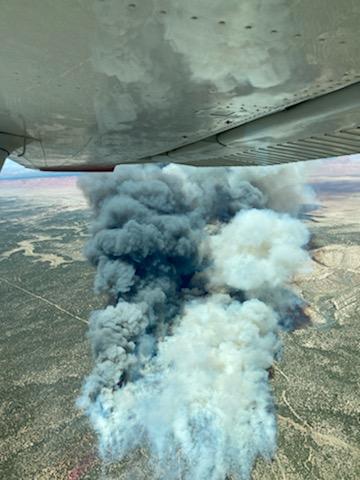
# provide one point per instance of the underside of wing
(90, 84)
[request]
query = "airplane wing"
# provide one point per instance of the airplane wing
(89, 84)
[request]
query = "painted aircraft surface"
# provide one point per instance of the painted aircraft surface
(90, 84)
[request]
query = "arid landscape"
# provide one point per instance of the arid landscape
(46, 297)
(317, 382)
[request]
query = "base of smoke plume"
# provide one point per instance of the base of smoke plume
(204, 405)
(199, 398)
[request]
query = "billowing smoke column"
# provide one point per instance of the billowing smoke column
(196, 263)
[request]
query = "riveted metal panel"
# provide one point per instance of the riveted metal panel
(105, 82)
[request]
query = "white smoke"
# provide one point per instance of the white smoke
(258, 248)
(200, 266)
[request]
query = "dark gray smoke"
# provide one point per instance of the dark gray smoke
(196, 266)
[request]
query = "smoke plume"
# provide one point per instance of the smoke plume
(197, 265)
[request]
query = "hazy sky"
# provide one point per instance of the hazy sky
(12, 170)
